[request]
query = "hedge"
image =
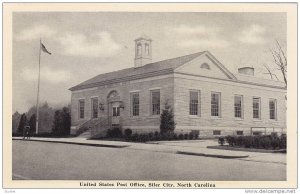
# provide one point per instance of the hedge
(144, 137)
(272, 141)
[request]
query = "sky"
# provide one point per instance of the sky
(85, 44)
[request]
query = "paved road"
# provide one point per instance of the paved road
(53, 161)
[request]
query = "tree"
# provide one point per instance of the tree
(22, 123)
(62, 122)
(46, 116)
(15, 121)
(167, 123)
(32, 123)
(280, 60)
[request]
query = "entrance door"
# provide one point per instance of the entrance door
(115, 113)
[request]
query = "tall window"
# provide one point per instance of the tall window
(215, 104)
(155, 102)
(147, 51)
(194, 102)
(139, 49)
(238, 106)
(81, 109)
(94, 107)
(272, 108)
(256, 108)
(135, 104)
(116, 111)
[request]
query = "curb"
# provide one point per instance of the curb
(211, 155)
(77, 143)
(246, 149)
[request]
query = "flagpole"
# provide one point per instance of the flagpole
(38, 94)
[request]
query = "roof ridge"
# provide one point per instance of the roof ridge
(177, 57)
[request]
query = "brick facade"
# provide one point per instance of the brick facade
(175, 78)
(227, 123)
(142, 123)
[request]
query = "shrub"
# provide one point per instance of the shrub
(247, 141)
(167, 123)
(221, 141)
(151, 136)
(263, 141)
(170, 136)
(186, 136)
(175, 137)
(180, 136)
(128, 133)
(134, 137)
(157, 136)
(240, 141)
(282, 141)
(191, 136)
(114, 133)
(230, 140)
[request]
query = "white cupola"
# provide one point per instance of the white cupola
(143, 51)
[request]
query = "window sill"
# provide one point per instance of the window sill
(154, 116)
(215, 118)
(135, 117)
(194, 116)
(257, 120)
(238, 119)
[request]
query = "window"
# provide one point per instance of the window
(139, 49)
(155, 102)
(216, 132)
(94, 107)
(194, 102)
(256, 108)
(81, 109)
(240, 132)
(238, 106)
(215, 104)
(257, 133)
(272, 108)
(205, 66)
(116, 111)
(147, 51)
(135, 104)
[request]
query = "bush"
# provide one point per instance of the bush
(260, 142)
(180, 136)
(114, 133)
(282, 141)
(151, 136)
(247, 142)
(186, 136)
(239, 141)
(134, 137)
(191, 136)
(221, 141)
(128, 133)
(175, 136)
(167, 123)
(230, 140)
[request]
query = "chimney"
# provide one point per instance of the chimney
(246, 71)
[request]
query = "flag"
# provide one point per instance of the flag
(44, 49)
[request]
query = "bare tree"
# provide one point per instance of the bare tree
(272, 75)
(280, 61)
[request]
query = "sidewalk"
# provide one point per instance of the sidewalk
(186, 147)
